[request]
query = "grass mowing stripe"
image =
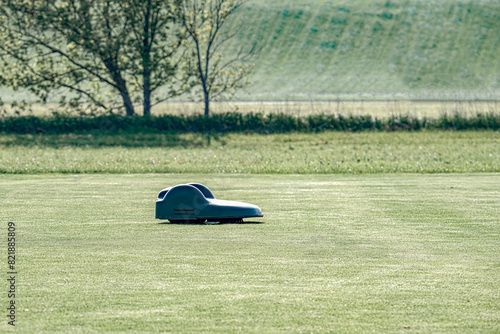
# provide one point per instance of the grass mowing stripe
(339, 253)
(356, 49)
(325, 153)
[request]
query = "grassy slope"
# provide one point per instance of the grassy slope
(329, 152)
(343, 254)
(373, 49)
(377, 49)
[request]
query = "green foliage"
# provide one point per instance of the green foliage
(333, 253)
(101, 51)
(238, 122)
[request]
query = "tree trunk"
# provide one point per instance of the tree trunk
(121, 85)
(146, 62)
(147, 94)
(127, 102)
(207, 103)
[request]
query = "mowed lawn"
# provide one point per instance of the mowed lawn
(334, 253)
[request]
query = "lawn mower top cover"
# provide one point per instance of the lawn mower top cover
(194, 202)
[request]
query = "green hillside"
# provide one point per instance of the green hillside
(322, 49)
(367, 50)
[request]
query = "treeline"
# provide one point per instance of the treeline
(115, 54)
(239, 122)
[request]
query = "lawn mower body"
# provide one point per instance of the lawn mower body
(195, 203)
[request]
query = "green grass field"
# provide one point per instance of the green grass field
(379, 253)
(362, 232)
(324, 153)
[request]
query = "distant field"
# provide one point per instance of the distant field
(323, 153)
(378, 109)
(333, 253)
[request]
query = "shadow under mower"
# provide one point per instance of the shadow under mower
(195, 203)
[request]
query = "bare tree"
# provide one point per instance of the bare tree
(203, 21)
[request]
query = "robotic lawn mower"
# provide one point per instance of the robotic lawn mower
(195, 203)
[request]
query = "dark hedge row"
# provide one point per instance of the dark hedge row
(237, 122)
